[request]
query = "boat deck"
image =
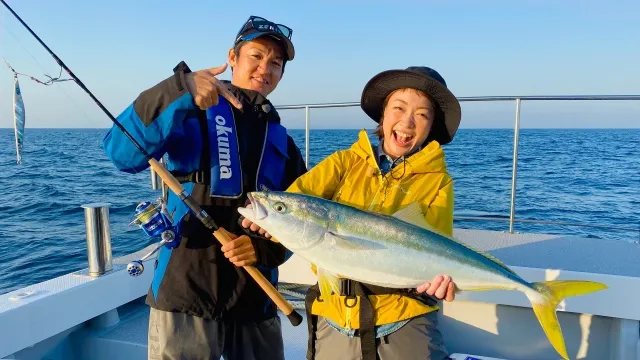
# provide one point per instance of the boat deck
(129, 337)
(79, 317)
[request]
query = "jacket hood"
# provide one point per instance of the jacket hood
(428, 160)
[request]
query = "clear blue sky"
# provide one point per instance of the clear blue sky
(118, 48)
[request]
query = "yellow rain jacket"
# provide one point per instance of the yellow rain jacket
(353, 177)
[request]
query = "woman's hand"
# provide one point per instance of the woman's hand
(442, 287)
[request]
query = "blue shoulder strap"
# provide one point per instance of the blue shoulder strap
(274, 155)
(226, 170)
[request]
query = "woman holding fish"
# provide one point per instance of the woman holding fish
(416, 114)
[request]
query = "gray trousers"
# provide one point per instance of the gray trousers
(177, 336)
(418, 339)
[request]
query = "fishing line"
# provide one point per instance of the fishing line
(51, 80)
(220, 234)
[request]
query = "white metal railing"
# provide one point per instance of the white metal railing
(516, 134)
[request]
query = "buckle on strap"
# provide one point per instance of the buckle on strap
(345, 287)
(198, 177)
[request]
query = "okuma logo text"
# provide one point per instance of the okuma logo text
(223, 132)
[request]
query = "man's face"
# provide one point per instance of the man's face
(258, 65)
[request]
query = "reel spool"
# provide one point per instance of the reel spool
(150, 219)
(154, 223)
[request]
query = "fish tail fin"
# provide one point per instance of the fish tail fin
(545, 301)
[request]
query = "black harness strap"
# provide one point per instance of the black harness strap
(367, 328)
(312, 320)
(352, 290)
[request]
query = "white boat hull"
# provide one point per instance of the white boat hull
(78, 317)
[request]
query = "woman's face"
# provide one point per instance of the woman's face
(406, 122)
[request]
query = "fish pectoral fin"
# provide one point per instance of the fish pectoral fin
(351, 243)
(327, 282)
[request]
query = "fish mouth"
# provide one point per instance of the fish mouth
(256, 212)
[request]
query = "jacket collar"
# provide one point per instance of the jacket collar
(428, 159)
(252, 101)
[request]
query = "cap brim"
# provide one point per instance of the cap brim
(288, 45)
(381, 85)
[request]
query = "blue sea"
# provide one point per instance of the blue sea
(589, 177)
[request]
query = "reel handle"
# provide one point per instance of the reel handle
(136, 267)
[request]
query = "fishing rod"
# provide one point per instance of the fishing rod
(222, 235)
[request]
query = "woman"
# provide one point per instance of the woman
(416, 115)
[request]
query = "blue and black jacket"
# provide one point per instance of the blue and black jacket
(195, 278)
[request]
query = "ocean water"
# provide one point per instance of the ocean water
(589, 177)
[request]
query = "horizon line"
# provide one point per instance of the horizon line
(372, 129)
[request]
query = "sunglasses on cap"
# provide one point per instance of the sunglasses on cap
(263, 25)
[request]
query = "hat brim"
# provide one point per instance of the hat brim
(384, 83)
(288, 45)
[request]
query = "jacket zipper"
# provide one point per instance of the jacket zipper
(264, 144)
(382, 182)
(380, 179)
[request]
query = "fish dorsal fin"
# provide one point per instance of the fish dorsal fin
(412, 214)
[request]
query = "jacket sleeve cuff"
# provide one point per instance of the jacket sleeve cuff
(268, 253)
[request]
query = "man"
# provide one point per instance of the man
(222, 140)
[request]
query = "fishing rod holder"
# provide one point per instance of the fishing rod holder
(99, 256)
(154, 220)
(156, 180)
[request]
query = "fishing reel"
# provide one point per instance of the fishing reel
(155, 222)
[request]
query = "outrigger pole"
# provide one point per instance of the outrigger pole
(221, 234)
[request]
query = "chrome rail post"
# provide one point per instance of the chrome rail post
(156, 180)
(306, 135)
(516, 134)
(99, 255)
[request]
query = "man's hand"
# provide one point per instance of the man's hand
(248, 224)
(240, 251)
(205, 87)
(442, 287)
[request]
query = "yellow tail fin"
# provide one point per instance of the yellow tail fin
(553, 292)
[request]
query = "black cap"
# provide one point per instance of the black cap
(249, 33)
(420, 78)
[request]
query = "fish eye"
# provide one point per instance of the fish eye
(279, 207)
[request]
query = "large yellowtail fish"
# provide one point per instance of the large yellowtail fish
(399, 251)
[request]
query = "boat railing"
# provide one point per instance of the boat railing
(516, 133)
(517, 99)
